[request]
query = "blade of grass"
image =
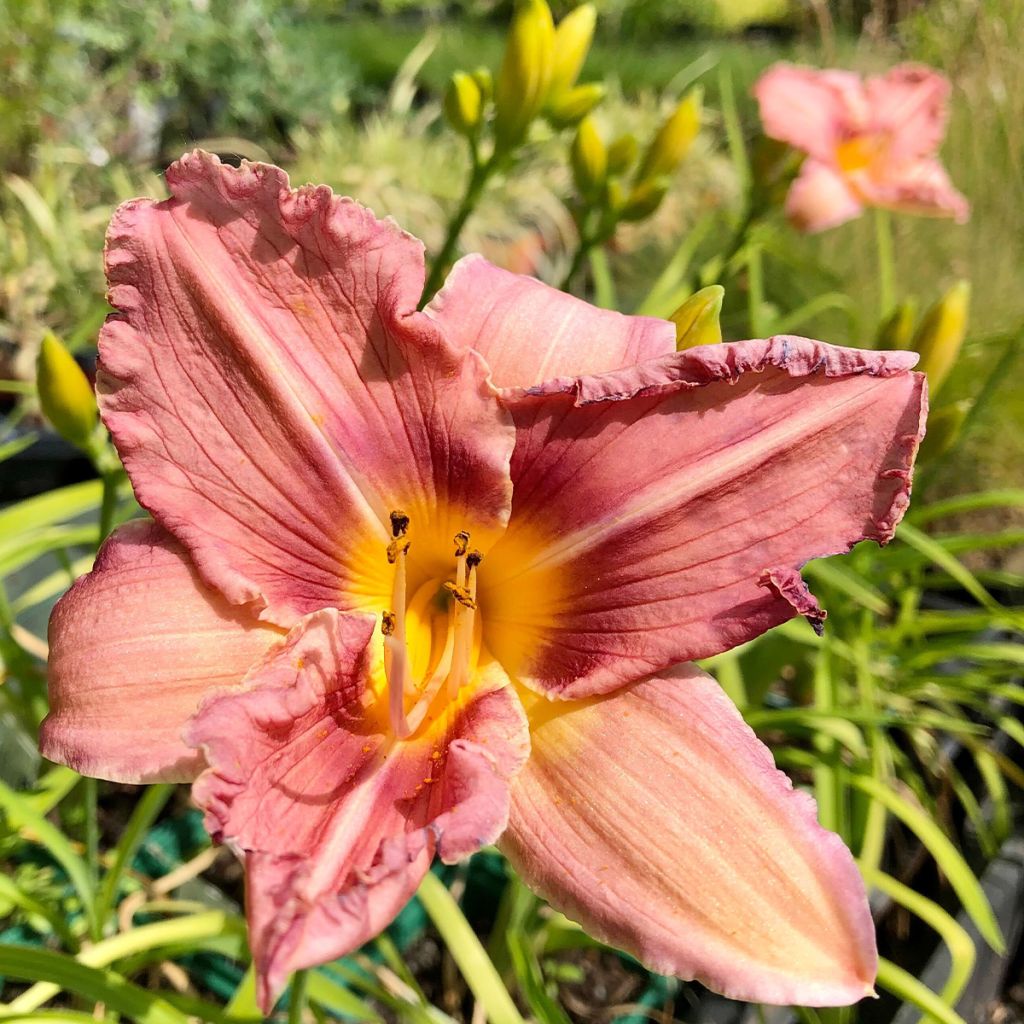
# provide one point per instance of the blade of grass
(143, 816)
(93, 984)
(467, 951)
(906, 987)
(32, 825)
(949, 859)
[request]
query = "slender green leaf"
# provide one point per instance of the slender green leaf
(467, 952)
(91, 983)
(951, 862)
(21, 815)
(143, 816)
(52, 507)
(906, 987)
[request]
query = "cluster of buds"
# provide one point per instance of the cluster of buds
(938, 338)
(538, 76)
(616, 180)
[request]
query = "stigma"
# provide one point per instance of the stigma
(454, 601)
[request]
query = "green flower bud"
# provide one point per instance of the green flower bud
(644, 199)
(485, 82)
(525, 74)
(697, 319)
(589, 159)
(463, 104)
(65, 394)
(674, 139)
(614, 195)
(622, 154)
(941, 334)
(573, 37)
(572, 106)
(897, 329)
(944, 426)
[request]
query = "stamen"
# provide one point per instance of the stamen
(399, 523)
(396, 658)
(461, 543)
(465, 615)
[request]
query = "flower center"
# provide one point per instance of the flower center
(431, 643)
(860, 153)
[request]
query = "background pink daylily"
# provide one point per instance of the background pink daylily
(275, 397)
(869, 142)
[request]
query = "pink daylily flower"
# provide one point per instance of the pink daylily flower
(421, 581)
(869, 142)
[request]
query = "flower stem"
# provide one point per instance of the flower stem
(474, 189)
(886, 268)
(477, 968)
(297, 997)
(579, 258)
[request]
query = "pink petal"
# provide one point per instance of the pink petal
(811, 110)
(338, 821)
(909, 103)
(820, 198)
(657, 820)
(922, 187)
(275, 395)
(529, 332)
(650, 504)
(134, 646)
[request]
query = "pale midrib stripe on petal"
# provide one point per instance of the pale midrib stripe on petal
(250, 332)
(678, 489)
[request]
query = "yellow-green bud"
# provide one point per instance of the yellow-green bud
(644, 199)
(897, 329)
(463, 104)
(622, 154)
(485, 82)
(572, 106)
(589, 159)
(674, 139)
(573, 37)
(944, 426)
(65, 394)
(941, 334)
(697, 319)
(525, 74)
(614, 195)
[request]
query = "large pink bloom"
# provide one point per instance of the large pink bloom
(419, 582)
(870, 142)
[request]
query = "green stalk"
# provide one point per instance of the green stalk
(474, 190)
(467, 952)
(297, 997)
(108, 505)
(90, 790)
(886, 264)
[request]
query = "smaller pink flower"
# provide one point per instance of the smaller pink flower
(869, 142)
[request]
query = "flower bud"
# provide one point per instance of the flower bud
(897, 329)
(485, 82)
(622, 154)
(674, 138)
(941, 334)
(944, 426)
(463, 104)
(589, 159)
(525, 74)
(644, 199)
(573, 37)
(697, 319)
(572, 106)
(65, 394)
